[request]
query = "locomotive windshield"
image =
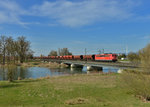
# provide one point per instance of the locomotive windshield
(114, 55)
(103, 56)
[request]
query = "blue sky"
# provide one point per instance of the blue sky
(78, 24)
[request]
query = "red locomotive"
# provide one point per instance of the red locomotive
(95, 57)
(106, 57)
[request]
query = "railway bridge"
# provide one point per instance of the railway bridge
(96, 65)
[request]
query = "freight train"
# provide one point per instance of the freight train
(96, 57)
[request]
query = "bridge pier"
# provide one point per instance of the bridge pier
(64, 65)
(69, 65)
(120, 71)
(76, 66)
(91, 68)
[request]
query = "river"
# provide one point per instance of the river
(37, 72)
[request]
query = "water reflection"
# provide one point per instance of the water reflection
(37, 72)
(76, 70)
(110, 69)
(15, 72)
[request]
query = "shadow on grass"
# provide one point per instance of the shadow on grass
(25, 81)
(16, 83)
(9, 85)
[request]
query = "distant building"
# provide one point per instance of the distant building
(122, 56)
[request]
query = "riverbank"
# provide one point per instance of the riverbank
(96, 90)
(43, 64)
(38, 64)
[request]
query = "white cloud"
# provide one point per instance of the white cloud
(85, 12)
(10, 12)
(147, 37)
(68, 13)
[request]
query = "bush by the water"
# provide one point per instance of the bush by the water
(35, 63)
(139, 81)
(10, 73)
(145, 58)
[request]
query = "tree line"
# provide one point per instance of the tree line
(14, 51)
(142, 57)
(60, 52)
(132, 56)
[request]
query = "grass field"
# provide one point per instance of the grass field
(94, 90)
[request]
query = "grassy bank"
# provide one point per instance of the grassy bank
(43, 64)
(94, 90)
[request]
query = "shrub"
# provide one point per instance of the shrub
(138, 83)
(145, 58)
(76, 101)
(10, 73)
(133, 57)
(35, 63)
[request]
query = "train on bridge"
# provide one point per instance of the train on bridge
(96, 57)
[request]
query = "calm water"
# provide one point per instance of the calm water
(37, 72)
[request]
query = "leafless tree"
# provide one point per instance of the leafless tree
(14, 50)
(23, 47)
(9, 48)
(29, 54)
(53, 53)
(64, 51)
(3, 44)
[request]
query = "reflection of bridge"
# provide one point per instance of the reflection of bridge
(96, 65)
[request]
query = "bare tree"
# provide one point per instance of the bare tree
(64, 51)
(29, 54)
(23, 46)
(9, 48)
(53, 53)
(3, 44)
(13, 50)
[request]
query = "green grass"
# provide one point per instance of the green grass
(94, 90)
